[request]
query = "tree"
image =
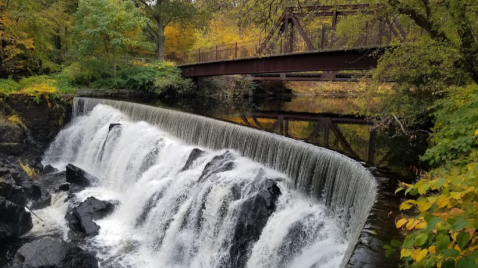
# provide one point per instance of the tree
(452, 22)
(27, 30)
(107, 29)
(161, 13)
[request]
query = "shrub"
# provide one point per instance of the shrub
(8, 86)
(443, 231)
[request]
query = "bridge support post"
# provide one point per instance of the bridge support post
(235, 54)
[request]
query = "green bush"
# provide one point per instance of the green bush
(8, 86)
(453, 134)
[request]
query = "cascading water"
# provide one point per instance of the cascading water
(187, 190)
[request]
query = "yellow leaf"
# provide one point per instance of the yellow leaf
(411, 224)
(421, 225)
(401, 222)
(407, 204)
(456, 195)
(443, 201)
(421, 255)
(476, 133)
(405, 253)
(424, 206)
(432, 249)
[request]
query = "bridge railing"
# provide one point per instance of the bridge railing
(322, 39)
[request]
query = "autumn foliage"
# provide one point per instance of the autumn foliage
(442, 219)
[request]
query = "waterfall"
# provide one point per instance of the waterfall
(175, 212)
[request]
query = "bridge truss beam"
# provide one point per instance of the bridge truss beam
(337, 60)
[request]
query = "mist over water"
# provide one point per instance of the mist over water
(173, 214)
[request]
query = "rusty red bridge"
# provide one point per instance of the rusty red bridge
(323, 53)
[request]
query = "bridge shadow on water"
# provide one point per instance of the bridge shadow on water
(329, 122)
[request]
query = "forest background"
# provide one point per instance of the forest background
(53, 47)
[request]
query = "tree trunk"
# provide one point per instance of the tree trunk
(160, 39)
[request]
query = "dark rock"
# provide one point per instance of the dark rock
(11, 132)
(79, 177)
(253, 216)
(113, 125)
(43, 201)
(53, 253)
(48, 169)
(14, 220)
(52, 181)
(11, 148)
(8, 248)
(12, 192)
(218, 164)
(37, 194)
(195, 154)
(4, 170)
(64, 187)
(81, 217)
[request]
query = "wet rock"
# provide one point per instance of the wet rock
(14, 220)
(253, 216)
(37, 194)
(12, 192)
(11, 148)
(64, 187)
(80, 219)
(53, 253)
(43, 201)
(8, 248)
(10, 131)
(113, 125)
(79, 177)
(48, 169)
(218, 164)
(195, 154)
(52, 181)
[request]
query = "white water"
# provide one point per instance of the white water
(170, 218)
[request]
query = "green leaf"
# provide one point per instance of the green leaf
(432, 223)
(439, 183)
(389, 251)
(449, 264)
(408, 242)
(462, 239)
(396, 243)
(466, 262)
(460, 223)
(450, 253)
(398, 190)
(442, 242)
(421, 239)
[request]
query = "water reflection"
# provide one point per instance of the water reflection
(333, 123)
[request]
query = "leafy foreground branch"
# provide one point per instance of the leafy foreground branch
(442, 220)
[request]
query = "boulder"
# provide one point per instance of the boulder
(195, 154)
(37, 194)
(12, 192)
(14, 220)
(79, 177)
(112, 125)
(10, 131)
(252, 218)
(53, 253)
(48, 169)
(80, 219)
(218, 164)
(52, 181)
